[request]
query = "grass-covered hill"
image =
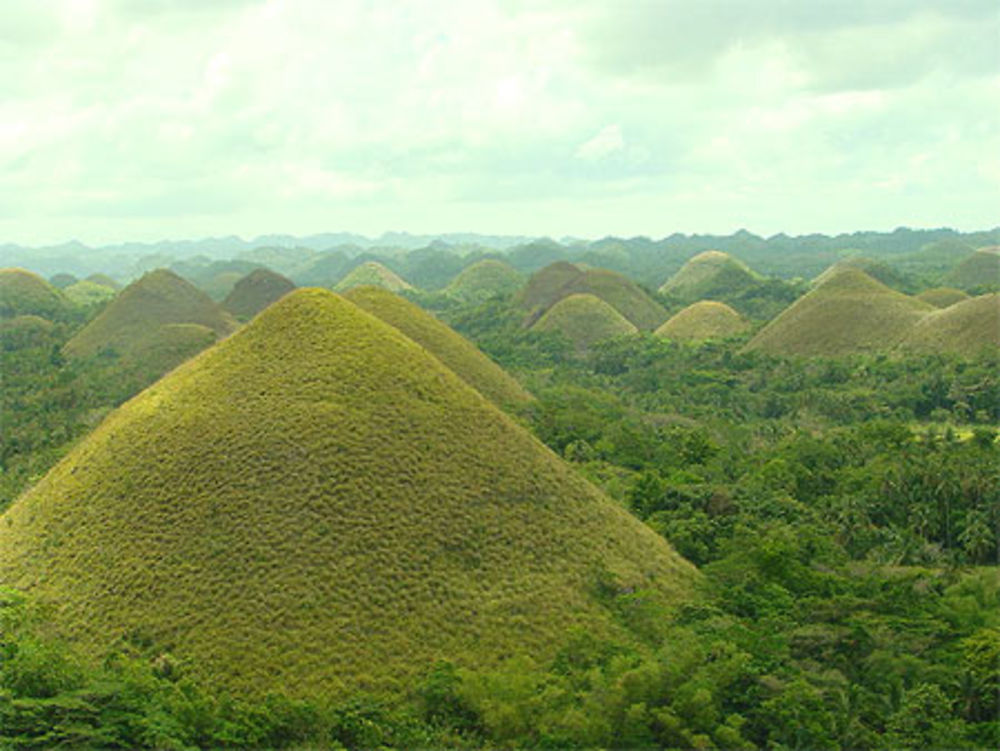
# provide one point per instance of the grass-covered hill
(62, 280)
(584, 319)
(979, 269)
(485, 279)
(132, 324)
(965, 328)
(373, 273)
(453, 350)
(849, 312)
(25, 293)
(256, 291)
(548, 286)
(86, 293)
(878, 270)
(710, 275)
(705, 319)
(104, 280)
(942, 297)
(317, 505)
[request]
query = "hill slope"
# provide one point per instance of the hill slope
(712, 274)
(88, 293)
(705, 319)
(485, 279)
(584, 319)
(256, 291)
(317, 505)
(453, 350)
(373, 273)
(548, 286)
(848, 312)
(132, 321)
(965, 328)
(980, 268)
(942, 297)
(25, 293)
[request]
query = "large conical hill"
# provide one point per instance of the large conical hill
(585, 320)
(132, 324)
(316, 505)
(711, 274)
(373, 273)
(965, 328)
(485, 279)
(849, 312)
(25, 293)
(705, 319)
(256, 291)
(447, 345)
(981, 268)
(548, 286)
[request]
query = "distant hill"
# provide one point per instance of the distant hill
(483, 280)
(455, 352)
(847, 312)
(373, 273)
(705, 319)
(965, 328)
(316, 505)
(25, 293)
(559, 280)
(104, 280)
(256, 291)
(132, 324)
(584, 319)
(982, 268)
(88, 293)
(62, 281)
(877, 270)
(710, 275)
(942, 297)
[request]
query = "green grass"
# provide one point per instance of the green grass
(88, 293)
(319, 506)
(453, 350)
(584, 320)
(25, 293)
(710, 275)
(942, 297)
(877, 270)
(132, 324)
(256, 291)
(559, 280)
(965, 328)
(706, 319)
(849, 312)
(980, 268)
(373, 273)
(483, 280)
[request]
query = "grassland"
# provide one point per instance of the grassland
(584, 319)
(132, 324)
(87, 293)
(373, 273)
(978, 269)
(942, 297)
(318, 505)
(454, 351)
(705, 319)
(25, 293)
(965, 328)
(710, 275)
(878, 270)
(256, 291)
(849, 312)
(559, 280)
(483, 280)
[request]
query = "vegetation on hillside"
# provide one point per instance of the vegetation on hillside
(978, 272)
(483, 280)
(256, 291)
(711, 274)
(25, 293)
(584, 319)
(705, 319)
(375, 274)
(967, 328)
(942, 297)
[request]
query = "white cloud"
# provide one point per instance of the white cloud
(607, 141)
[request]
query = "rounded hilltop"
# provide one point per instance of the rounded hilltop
(942, 297)
(965, 328)
(548, 286)
(710, 274)
(375, 274)
(485, 279)
(848, 312)
(318, 505)
(453, 350)
(584, 319)
(980, 268)
(132, 325)
(705, 319)
(255, 291)
(25, 293)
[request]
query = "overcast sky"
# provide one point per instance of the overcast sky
(153, 119)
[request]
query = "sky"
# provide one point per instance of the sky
(125, 120)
